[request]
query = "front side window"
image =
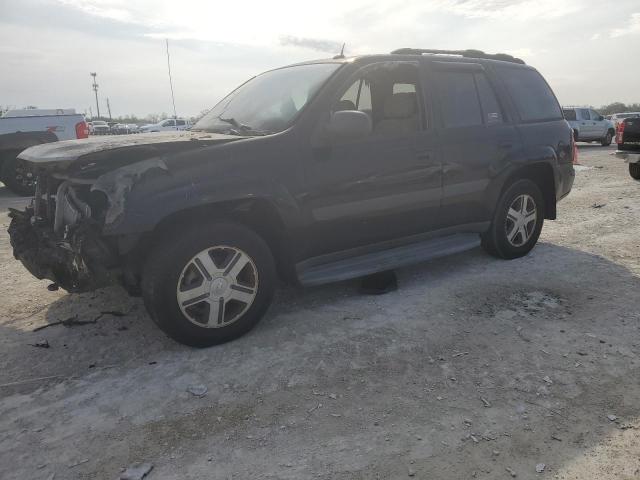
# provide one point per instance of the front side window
(268, 103)
(532, 96)
(387, 93)
(168, 123)
(595, 115)
(584, 113)
(180, 123)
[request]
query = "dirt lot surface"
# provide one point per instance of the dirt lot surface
(474, 368)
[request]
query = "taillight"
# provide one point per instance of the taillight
(82, 130)
(620, 133)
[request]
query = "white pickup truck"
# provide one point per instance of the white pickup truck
(21, 129)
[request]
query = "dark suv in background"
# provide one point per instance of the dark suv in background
(314, 173)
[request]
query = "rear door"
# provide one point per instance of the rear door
(476, 139)
(600, 124)
(587, 127)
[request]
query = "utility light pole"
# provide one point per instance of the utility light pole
(109, 108)
(95, 89)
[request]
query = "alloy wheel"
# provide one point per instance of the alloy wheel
(521, 220)
(217, 286)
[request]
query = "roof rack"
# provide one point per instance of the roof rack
(463, 53)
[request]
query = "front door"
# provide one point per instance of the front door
(384, 186)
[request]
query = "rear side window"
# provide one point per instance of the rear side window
(532, 96)
(459, 99)
(570, 114)
(467, 100)
(488, 100)
(584, 114)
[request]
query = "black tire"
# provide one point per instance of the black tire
(606, 141)
(575, 136)
(495, 240)
(634, 170)
(15, 176)
(164, 267)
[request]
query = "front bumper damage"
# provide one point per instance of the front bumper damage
(74, 256)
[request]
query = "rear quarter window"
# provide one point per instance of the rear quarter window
(570, 114)
(532, 96)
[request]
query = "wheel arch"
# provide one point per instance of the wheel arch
(541, 173)
(258, 214)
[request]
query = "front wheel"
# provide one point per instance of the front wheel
(634, 170)
(517, 221)
(17, 177)
(606, 141)
(209, 284)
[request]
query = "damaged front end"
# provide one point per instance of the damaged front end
(58, 237)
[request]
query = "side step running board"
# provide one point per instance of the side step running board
(387, 259)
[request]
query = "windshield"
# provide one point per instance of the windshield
(269, 102)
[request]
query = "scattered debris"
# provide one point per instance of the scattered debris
(540, 467)
(461, 354)
(598, 205)
(555, 437)
(411, 472)
(314, 408)
(52, 287)
(486, 402)
(547, 380)
(85, 460)
(137, 472)
(73, 321)
(197, 390)
(41, 344)
(495, 453)
(612, 418)
(511, 472)
(332, 396)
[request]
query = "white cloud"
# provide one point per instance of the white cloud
(633, 27)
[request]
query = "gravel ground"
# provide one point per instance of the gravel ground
(474, 368)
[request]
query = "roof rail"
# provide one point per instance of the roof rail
(463, 53)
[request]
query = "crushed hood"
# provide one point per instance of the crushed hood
(59, 155)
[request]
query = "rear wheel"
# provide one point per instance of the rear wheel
(634, 170)
(606, 141)
(209, 284)
(517, 221)
(17, 177)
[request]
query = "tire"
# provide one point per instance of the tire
(176, 270)
(606, 141)
(634, 170)
(575, 136)
(496, 241)
(14, 175)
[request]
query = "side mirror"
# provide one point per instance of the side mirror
(349, 125)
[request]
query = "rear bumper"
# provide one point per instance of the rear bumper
(78, 263)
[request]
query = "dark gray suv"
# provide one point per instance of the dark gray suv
(311, 173)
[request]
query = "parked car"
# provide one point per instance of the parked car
(628, 140)
(616, 118)
(317, 172)
(588, 125)
(133, 128)
(20, 129)
(168, 125)
(120, 129)
(101, 127)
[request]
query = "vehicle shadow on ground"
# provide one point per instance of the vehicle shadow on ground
(507, 320)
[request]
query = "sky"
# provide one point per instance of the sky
(588, 50)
